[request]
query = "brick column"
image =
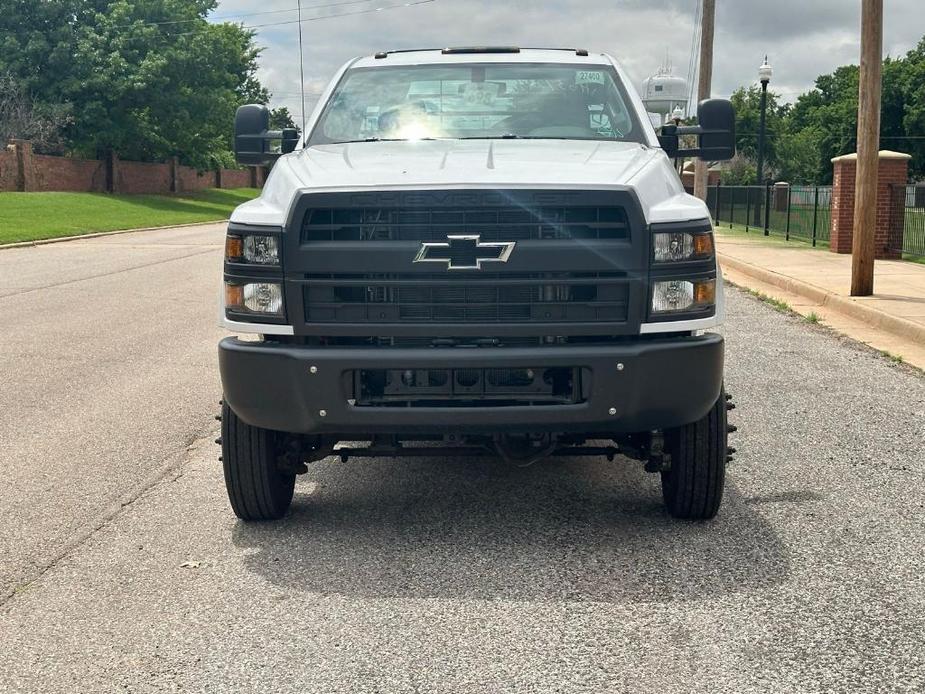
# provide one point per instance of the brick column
(25, 175)
(893, 170)
(781, 196)
(174, 165)
(891, 203)
(112, 172)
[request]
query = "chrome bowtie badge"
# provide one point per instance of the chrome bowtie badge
(465, 252)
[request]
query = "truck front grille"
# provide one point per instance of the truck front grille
(507, 223)
(577, 267)
(478, 298)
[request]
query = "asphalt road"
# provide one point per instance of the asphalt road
(126, 571)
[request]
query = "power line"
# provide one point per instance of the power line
(342, 14)
(330, 16)
(238, 16)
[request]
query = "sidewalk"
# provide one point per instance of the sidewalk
(815, 281)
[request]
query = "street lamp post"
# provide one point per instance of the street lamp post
(764, 76)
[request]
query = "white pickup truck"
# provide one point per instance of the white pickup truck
(474, 251)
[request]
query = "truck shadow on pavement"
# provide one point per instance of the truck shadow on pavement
(575, 530)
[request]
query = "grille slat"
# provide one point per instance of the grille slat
(548, 299)
(501, 223)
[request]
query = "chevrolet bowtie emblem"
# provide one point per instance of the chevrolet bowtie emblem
(465, 252)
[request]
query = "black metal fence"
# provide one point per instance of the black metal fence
(797, 212)
(804, 213)
(907, 220)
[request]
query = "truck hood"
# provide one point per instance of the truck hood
(478, 162)
(546, 164)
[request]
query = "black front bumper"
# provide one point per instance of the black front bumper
(663, 383)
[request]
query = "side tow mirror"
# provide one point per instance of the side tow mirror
(716, 131)
(717, 120)
(253, 139)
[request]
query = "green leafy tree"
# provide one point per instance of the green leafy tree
(822, 123)
(747, 104)
(148, 79)
(280, 118)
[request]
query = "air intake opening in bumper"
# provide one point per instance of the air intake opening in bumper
(468, 387)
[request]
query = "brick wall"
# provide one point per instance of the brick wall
(134, 177)
(8, 175)
(189, 180)
(236, 179)
(888, 240)
(892, 171)
(64, 174)
(21, 169)
(841, 230)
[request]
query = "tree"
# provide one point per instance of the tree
(802, 139)
(148, 79)
(747, 104)
(280, 118)
(21, 118)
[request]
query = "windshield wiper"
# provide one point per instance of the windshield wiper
(366, 139)
(505, 136)
(386, 139)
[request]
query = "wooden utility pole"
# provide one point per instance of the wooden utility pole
(865, 186)
(705, 85)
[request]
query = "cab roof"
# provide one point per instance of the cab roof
(483, 54)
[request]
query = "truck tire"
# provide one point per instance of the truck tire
(257, 488)
(693, 486)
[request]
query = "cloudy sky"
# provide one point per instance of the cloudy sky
(803, 38)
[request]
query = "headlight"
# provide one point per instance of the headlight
(260, 298)
(257, 249)
(672, 247)
(674, 296)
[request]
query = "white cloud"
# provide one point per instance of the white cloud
(804, 38)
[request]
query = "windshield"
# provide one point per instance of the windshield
(476, 101)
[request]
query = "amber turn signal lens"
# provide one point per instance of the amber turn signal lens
(234, 247)
(705, 292)
(234, 295)
(703, 244)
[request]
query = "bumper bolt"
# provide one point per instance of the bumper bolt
(313, 369)
(322, 413)
(612, 411)
(620, 366)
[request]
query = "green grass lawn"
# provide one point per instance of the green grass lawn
(34, 216)
(776, 239)
(757, 235)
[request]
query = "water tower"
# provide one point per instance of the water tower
(664, 91)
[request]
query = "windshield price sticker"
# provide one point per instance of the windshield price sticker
(589, 77)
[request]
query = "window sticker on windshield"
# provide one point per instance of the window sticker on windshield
(589, 77)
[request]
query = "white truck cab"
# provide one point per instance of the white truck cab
(474, 251)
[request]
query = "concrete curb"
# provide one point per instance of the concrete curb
(98, 234)
(849, 307)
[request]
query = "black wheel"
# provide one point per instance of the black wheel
(257, 489)
(693, 487)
